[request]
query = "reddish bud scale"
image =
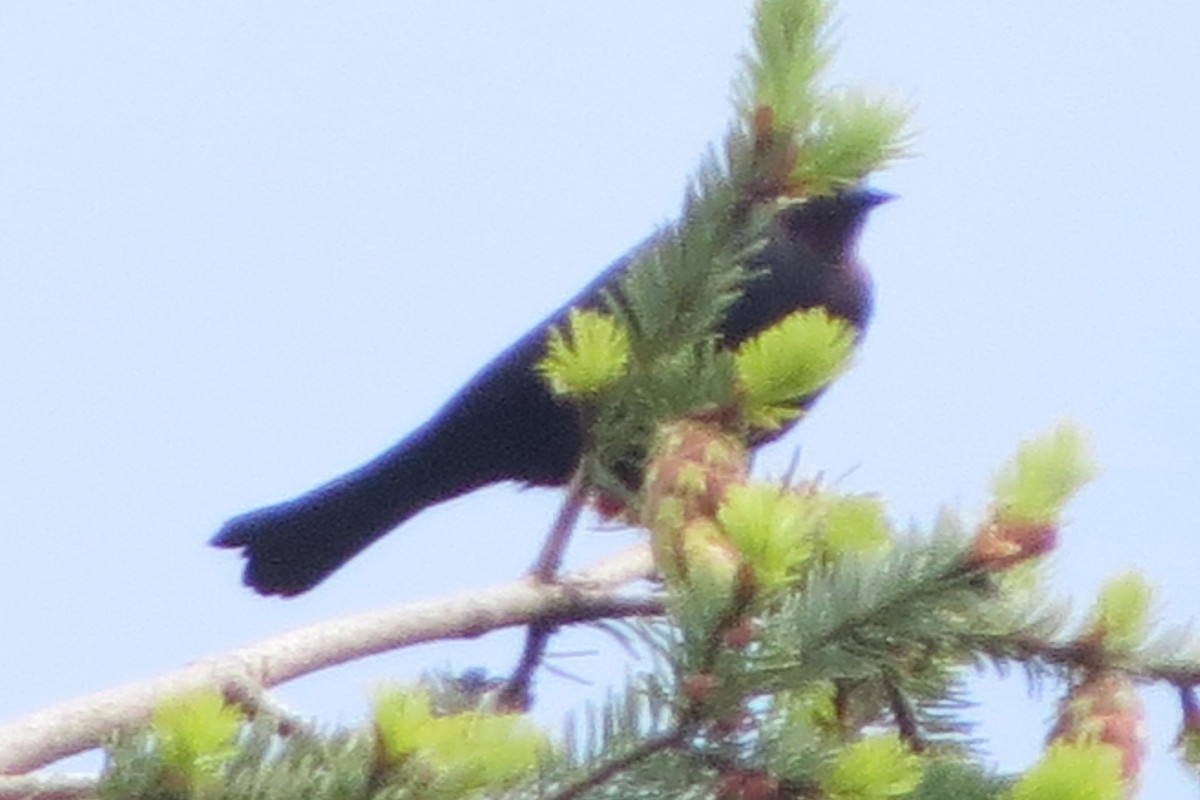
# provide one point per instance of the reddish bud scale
(1105, 708)
(1002, 544)
(741, 634)
(609, 507)
(699, 687)
(737, 722)
(764, 129)
(692, 466)
(744, 784)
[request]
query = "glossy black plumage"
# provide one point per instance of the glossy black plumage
(505, 425)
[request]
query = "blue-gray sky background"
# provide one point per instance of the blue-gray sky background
(245, 246)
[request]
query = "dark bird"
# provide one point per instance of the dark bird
(505, 425)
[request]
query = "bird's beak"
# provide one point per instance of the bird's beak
(875, 197)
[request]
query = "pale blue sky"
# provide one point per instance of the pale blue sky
(245, 246)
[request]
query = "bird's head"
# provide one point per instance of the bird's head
(830, 224)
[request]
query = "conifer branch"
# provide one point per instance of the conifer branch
(650, 747)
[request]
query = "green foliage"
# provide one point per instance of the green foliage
(458, 755)
(590, 356)
(409, 752)
(190, 742)
(790, 52)
(788, 362)
(850, 615)
(265, 766)
(854, 524)
(852, 135)
(676, 292)
(704, 584)
(642, 707)
(957, 779)
(1073, 772)
(671, 300)
(1043, 476)
(1120, 617)
(808, 712)
(874, 768)
(767, 525)
(834, 138)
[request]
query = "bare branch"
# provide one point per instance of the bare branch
(36, 787)
(87, 722)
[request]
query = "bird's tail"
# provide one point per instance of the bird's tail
(293, 546)
(503, 425)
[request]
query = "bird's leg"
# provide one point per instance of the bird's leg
(545, 569)
(515, 695)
